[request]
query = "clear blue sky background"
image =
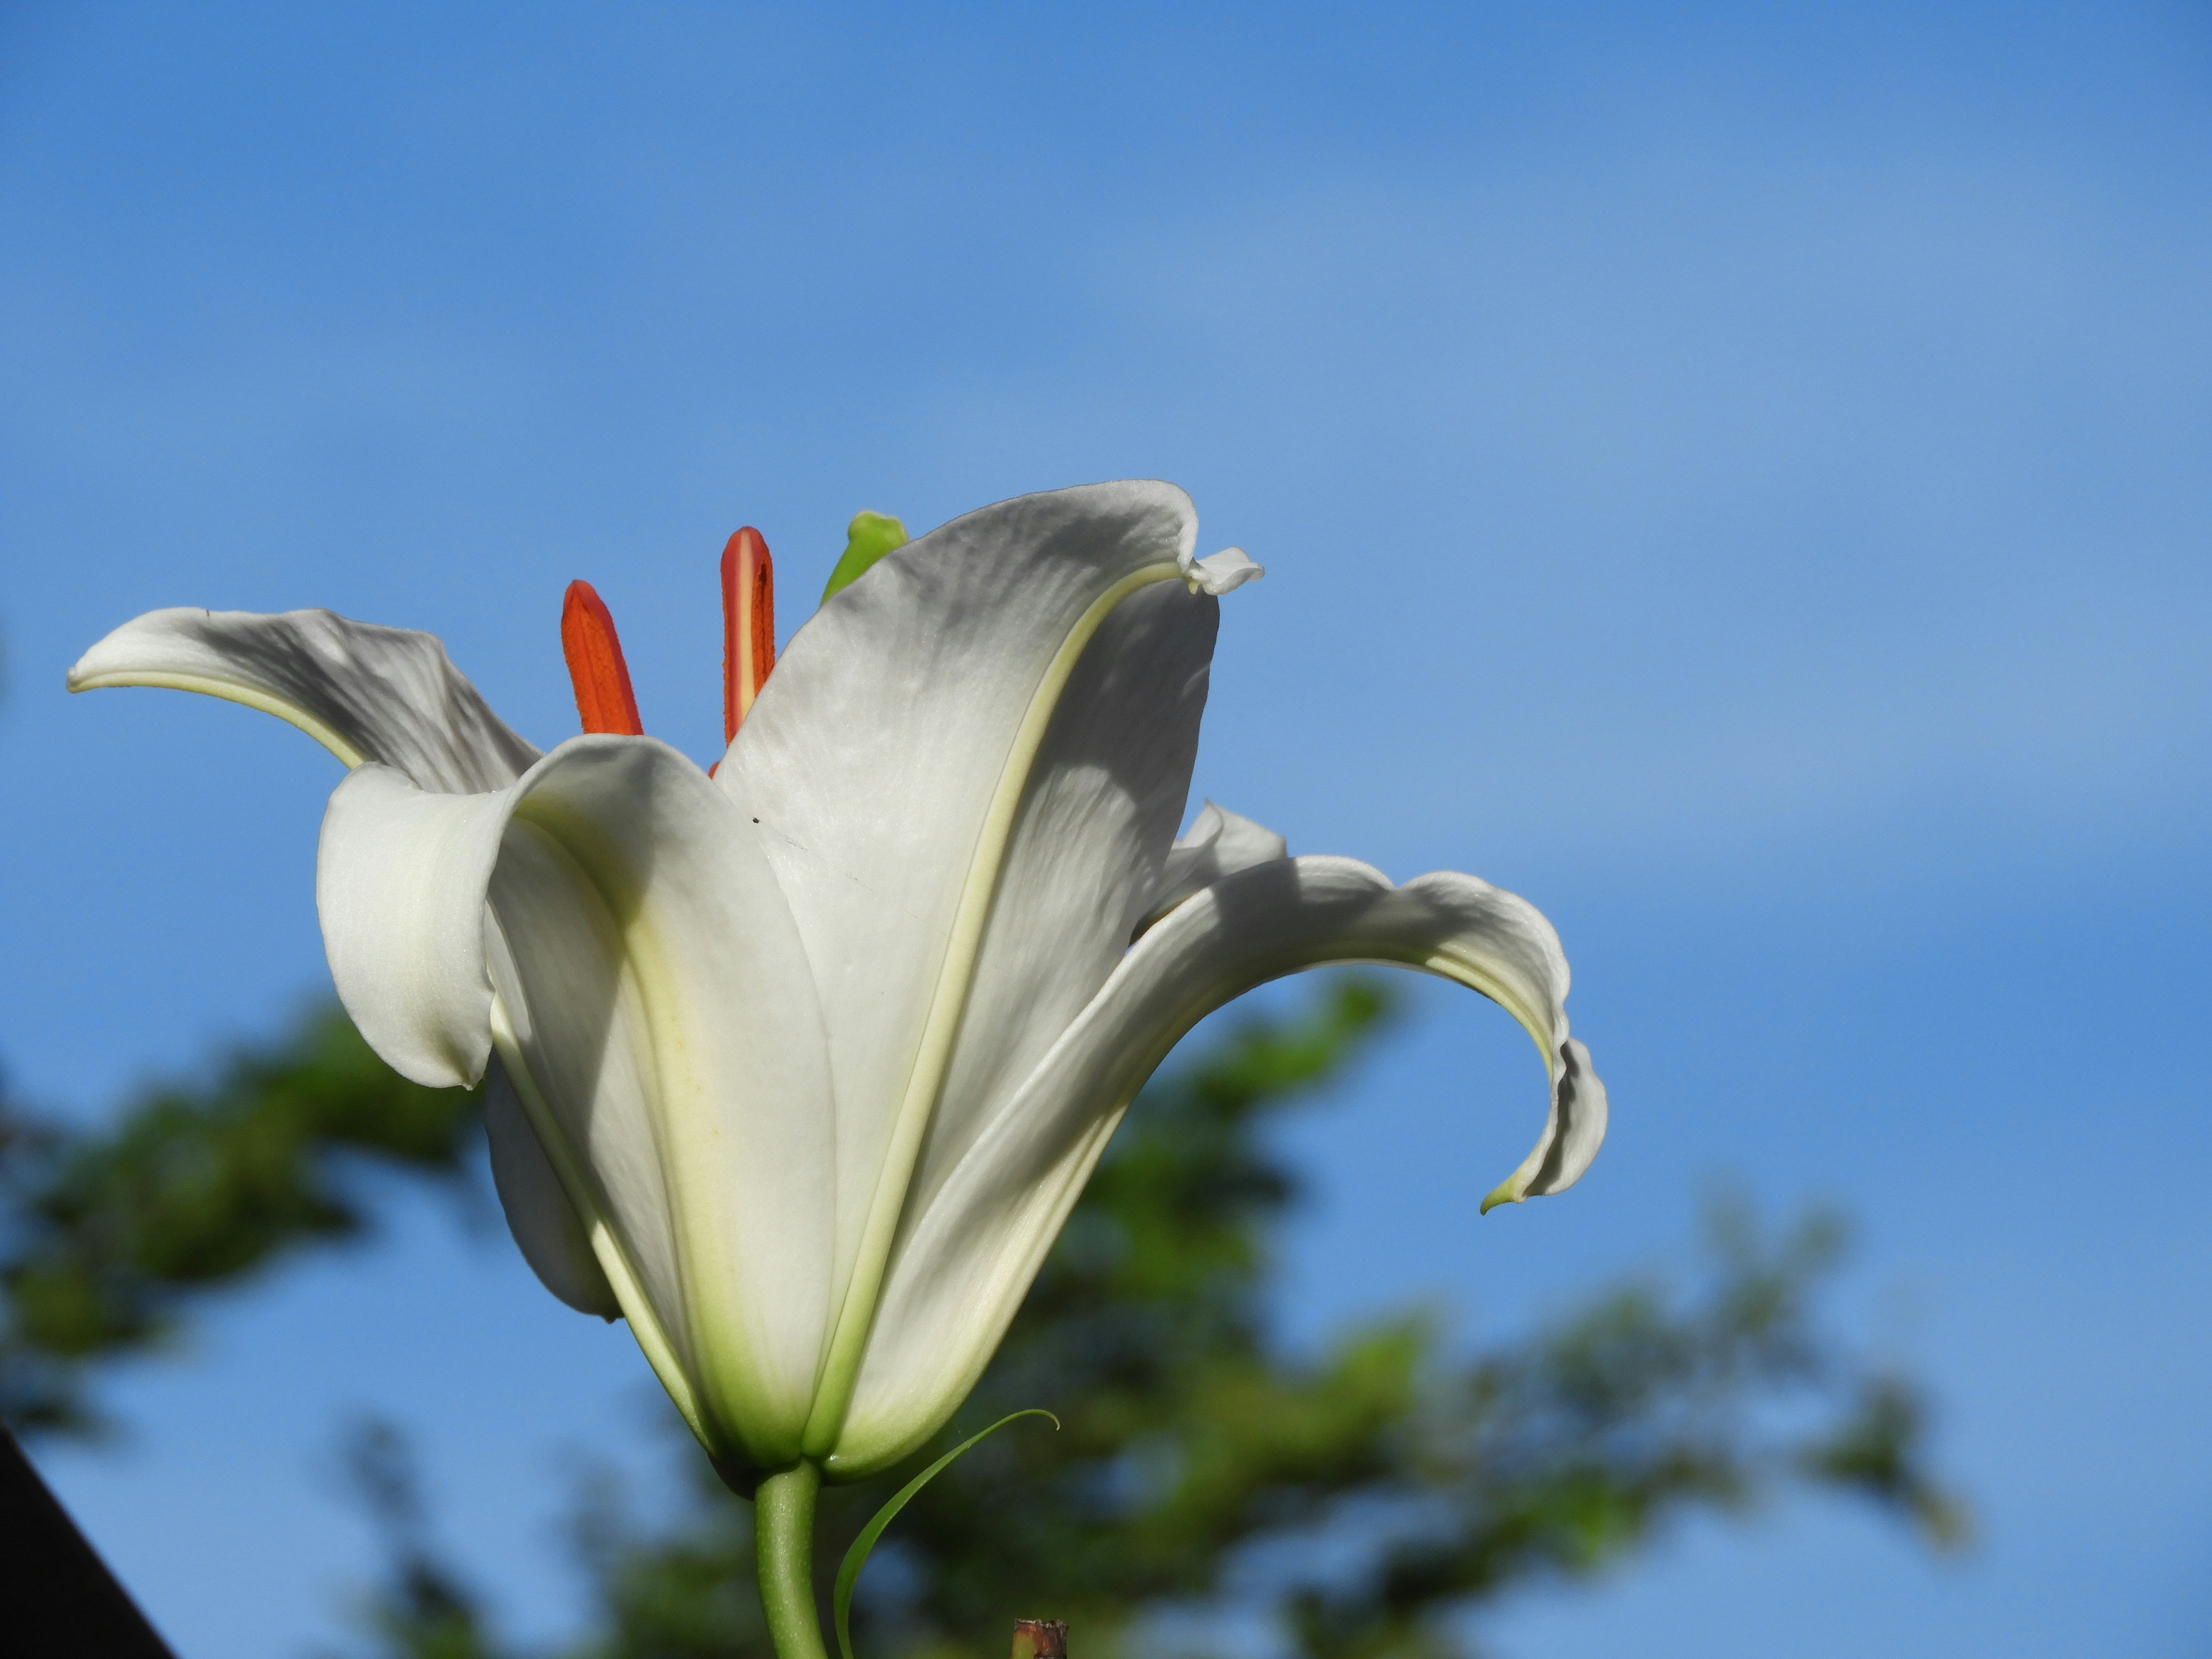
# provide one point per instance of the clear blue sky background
(1737, 476)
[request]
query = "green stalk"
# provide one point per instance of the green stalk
(783, 1548)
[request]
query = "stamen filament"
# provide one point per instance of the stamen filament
(747, 625)
(604, 698)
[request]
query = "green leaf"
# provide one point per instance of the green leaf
(867, 538)
(848, 1570)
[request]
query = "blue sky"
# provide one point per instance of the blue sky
(1738, 476)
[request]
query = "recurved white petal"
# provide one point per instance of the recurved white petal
(400, 877)
(667, 1042)
(960, 1266)
(1219, 843)
(365, 693)
(611, 921)
(1096, 818)
(886, 761)
(551, 1236)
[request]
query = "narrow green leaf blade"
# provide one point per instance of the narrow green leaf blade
(848, 1572)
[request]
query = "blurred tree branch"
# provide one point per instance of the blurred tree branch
(107, 1236)
(422, 1607)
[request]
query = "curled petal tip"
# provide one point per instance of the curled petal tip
(1220, 573)
(1505, 1192)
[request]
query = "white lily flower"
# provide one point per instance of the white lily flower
(800, 1067)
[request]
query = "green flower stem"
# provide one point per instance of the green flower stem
(783, 1548)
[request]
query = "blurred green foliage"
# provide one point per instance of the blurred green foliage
(105, 1237)
(1361, 1500)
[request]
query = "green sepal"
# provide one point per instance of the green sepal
(867, 538)
(848, 1570)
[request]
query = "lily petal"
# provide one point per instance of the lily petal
(365, 693)
(654, 1012)
(1220, 843)
(1104, 795)
(961, 1264)
(553, 1238)
(887, 759)
(400, 875)
(665, 1022)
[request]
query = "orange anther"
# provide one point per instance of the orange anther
(596, 667)
(747, 625)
